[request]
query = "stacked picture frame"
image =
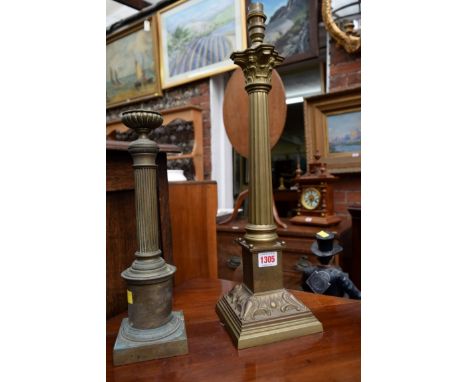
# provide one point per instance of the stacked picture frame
(193, 39)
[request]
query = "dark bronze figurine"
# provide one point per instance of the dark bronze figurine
(326, 278)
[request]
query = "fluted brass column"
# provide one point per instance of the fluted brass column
(152, 330)
(260, 310)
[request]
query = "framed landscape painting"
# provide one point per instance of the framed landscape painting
(197, 38)
(333, 127)
(292, 27)
(344, 132)
(132, 70)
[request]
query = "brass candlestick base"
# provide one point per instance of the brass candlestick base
(266, 316)
(135, 345)
(254, 319)
(152, 329)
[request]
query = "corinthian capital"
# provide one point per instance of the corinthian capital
(257, 65)
(257, 61)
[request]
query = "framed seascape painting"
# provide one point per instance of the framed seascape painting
(132, 70)
(197, 37)
(292, 27)
(333, 127)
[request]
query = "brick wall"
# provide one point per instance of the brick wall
(195, 93)
(345, 68)
(347, 190)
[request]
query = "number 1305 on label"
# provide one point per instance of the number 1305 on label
(267, 259)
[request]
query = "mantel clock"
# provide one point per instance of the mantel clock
(315, 190)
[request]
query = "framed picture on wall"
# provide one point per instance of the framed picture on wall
(292, 27)
(132, 64)
(197, 38)
(333, 127)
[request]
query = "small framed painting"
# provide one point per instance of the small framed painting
(132, 64)
(292, 27)
(197, 38)
(333, 127)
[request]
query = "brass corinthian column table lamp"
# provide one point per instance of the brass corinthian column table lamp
(260, 310)
(152, 330)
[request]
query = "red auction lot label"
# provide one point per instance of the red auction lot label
(267, 259)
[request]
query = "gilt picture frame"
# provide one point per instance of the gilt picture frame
(197, 38)
(292, 27)
(333, 128)
(132, 64)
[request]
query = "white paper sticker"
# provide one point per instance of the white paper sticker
(267, 259)
(308, 219)
(355, 155)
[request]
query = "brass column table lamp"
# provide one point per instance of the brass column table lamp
(152, 330)
(260, 310)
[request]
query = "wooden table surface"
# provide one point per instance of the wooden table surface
(292, 230)
(334, 355)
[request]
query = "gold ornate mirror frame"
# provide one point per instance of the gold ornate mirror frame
(348, 39)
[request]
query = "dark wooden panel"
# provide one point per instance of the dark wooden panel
(291, 274)
(229, 250)
(119, 171)
(121, 245)
(165, 224)
(334, 355)
(193, 207)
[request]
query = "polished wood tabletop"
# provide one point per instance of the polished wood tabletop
(334, 355)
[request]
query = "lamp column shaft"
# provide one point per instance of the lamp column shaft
(260, 185)
(151, 301)
(260, 239)
(146, 201)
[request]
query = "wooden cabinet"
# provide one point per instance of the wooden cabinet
(296, 255)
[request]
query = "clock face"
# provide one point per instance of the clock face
(310, 198)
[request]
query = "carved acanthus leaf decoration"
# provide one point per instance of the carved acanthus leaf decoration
(257, 63)
(250, 306)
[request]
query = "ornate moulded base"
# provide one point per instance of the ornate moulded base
(135, 345)
(266, 317)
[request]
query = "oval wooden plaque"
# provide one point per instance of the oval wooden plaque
(236, 111)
